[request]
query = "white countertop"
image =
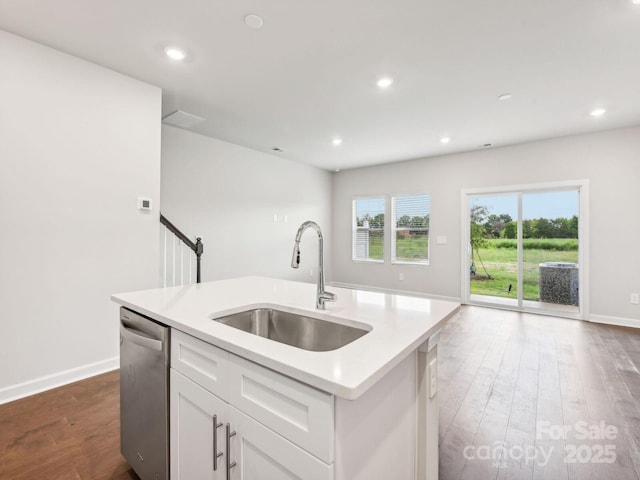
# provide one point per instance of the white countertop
(398, 324)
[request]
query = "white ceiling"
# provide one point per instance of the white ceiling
(310, 73)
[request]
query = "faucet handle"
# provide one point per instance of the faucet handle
(328, 296)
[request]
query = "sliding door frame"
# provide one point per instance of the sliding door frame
(582, 186)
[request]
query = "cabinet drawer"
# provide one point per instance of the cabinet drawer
(200, 361)
(261, 454)
(296, 411)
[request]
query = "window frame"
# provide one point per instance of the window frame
(395, 229)
(355, 228)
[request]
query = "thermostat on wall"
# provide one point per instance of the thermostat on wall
(144, 203)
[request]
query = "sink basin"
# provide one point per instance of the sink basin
(299, 331)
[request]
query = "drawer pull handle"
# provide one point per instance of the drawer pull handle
(216, 453)
(230, 464)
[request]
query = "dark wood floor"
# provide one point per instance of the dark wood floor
(508, 383)
(69, 433)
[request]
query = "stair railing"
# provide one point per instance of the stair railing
(176, 254)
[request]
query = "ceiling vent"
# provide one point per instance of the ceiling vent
(182, 119)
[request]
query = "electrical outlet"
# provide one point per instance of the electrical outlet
(275, 217)
(401, 277)
(635, 298)
(311, 272)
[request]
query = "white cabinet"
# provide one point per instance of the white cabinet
(300, 413)
(194, 414)
(283, 420)
(201, 362)
(261, 454)
(283, 429)
(200, 424)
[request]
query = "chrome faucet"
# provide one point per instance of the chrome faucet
(321, 296)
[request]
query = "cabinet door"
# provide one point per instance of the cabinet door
(261, 454)
(298, 412)
(193, 410)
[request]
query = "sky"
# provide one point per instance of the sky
(534, 205)
(372, 206)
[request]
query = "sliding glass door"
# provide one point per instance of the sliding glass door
(550, 242)
(524, 249)
(493, 257)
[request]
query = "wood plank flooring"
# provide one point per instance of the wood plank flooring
(68, 433)
(519, 392)
(508, 384)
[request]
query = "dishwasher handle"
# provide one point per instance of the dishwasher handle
(136, 337)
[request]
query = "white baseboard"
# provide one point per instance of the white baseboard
(620, 321)
(369, 288)
(21, 390)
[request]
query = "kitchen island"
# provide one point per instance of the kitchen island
(367, 410)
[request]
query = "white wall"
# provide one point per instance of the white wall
(610, 160)
(229, 195)
(78, 144)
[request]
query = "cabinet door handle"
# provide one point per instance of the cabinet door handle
(216, 453)
(230, 464)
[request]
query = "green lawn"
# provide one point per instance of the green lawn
(407, 249)
(376, 247)
(501, 264)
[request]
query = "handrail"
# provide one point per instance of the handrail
(173, 229)
(197, 247)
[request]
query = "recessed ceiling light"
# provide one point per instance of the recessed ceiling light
(337, 141)
(253, 21)
(598, 112)
(635, 2)
(277, 149)
(337, 170)
(384, 82)
(174, 53)
(445, 140)
(505, 96)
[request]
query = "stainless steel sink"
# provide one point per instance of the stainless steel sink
(299, 331)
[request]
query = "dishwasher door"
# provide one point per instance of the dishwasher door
(144, 399)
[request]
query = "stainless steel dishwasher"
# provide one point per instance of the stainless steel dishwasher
(144, 396)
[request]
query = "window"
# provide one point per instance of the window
(410, 229)
(368, 229)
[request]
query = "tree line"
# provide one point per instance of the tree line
(485, 226)
(404, 221)
(503, 226)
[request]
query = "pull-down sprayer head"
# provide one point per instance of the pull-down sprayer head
(295, 259)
